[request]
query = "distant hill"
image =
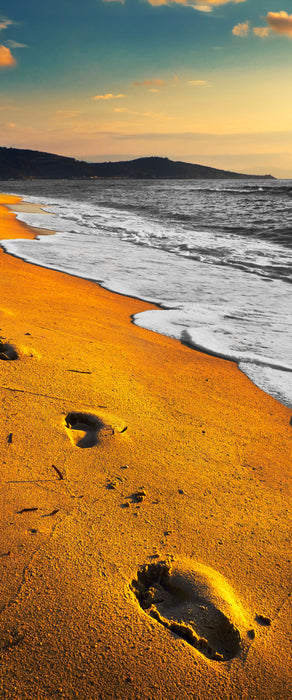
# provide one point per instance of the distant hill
(16, 163)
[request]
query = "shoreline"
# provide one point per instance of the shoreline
(209, 450)
(238, 359)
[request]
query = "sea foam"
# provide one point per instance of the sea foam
(223, 309)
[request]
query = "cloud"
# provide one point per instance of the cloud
(262, 32)
(156, 82)
(151, 115)
(206, 6)
(280, 22)
(199, 83)
(205, 136)
(15, 44)
(6, 58)
(241, 29)
(108, 96)
(67, 114)
(4, 23)
(203, 8)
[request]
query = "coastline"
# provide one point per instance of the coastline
(211, 452)
(214, 308)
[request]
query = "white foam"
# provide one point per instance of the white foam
(218, 309)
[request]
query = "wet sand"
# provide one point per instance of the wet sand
(145, 504)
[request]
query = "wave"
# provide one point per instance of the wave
(238, 357)
(271, 189)
(202, 275)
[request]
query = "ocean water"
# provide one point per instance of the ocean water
(216, 256)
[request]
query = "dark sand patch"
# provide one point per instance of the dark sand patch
(7, 352)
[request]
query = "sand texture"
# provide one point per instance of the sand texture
(145, 503)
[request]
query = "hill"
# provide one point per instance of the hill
(16, 163)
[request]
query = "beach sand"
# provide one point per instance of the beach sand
(145, 504)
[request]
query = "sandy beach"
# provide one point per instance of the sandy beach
(145, 504)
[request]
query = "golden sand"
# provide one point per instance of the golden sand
(144, 505)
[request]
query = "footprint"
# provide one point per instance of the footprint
(7, 352)
(29, 351)
(86, 429)
(196, 603)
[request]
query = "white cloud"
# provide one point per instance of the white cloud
(154, 81)
(205, 6)
(241, 29)
(198, 83)
(15, 44)
(4, 23)
(262, 32)
(108, 96)
(149, 115)
(67, 114)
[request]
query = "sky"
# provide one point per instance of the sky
(204, 81)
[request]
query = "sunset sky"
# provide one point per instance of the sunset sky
(205, 81)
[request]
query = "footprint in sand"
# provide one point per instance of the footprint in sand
(86, 429)
(196, 603)
(7, 352)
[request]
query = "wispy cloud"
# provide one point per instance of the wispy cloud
(4, 23)
(108, 96)
(155, 81)
(205, 6)
(280, 22)
(16, 44)
(262, 32)
(6, 58)
(205, 136)
(67, 114)
(150, 115)
(241, 29)
(199, 83)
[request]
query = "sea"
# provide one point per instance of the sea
(215, 256)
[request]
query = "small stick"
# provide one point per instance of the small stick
(26, 510)
(60, 475)
(31, 481)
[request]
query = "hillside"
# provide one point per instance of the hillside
(16, 163)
